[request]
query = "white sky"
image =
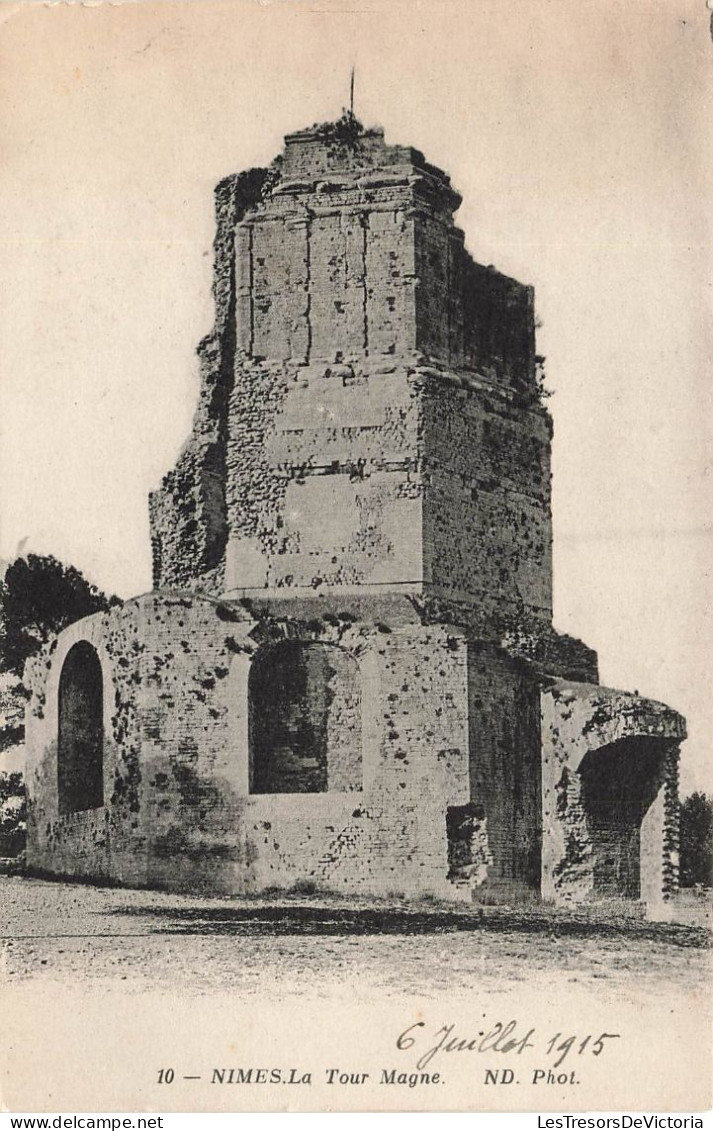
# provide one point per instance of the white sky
(578, 134)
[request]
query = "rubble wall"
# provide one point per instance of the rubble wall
(324, 487)
(408, 759)
(340, 276)
(470, 317)
(188, 513)
(428, 483)
(609, 794)
(178, 809)
(505, 776)
(487, 527)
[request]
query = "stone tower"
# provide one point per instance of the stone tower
(347, 674)
(369, 414)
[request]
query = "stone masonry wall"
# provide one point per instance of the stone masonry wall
(356, 343)
(188, 512)
(178, 811)
(305, 719)
(505, 773)
(429, 483)
(487, 525)
(609, 784)
(323, 441)
(164, 659)
(468, 316)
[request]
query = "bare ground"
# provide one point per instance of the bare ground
(68, 932)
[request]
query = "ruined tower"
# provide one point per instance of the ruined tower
(369, 413)
(347, 674)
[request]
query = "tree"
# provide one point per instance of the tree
(13, 812)
(38, 598)
(696, 845)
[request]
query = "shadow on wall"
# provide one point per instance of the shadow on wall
(304, 719)
(81, 731)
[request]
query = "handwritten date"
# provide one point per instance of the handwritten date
(500, 1037)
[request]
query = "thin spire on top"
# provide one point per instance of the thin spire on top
(351, 93)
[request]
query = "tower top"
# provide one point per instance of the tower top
(347, 149)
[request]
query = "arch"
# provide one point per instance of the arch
(80, 747)
(305, 730)
(619, 783)
(610, 789)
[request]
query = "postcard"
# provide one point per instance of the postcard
(355, 507)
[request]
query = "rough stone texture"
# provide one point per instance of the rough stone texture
(504, 733)
(305, 720)
(188, 516)
(178, 808)
(609, 792)
(348, 676)
(362, 364)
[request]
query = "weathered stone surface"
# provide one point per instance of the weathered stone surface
(348, 675)
(182, 807)
(609, 794)
(362, 365)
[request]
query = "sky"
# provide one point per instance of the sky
(578, 134)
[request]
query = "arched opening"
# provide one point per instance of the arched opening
(80, 754)
(304, 719)
(619, 784)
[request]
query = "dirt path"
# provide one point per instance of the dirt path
(303, 945)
